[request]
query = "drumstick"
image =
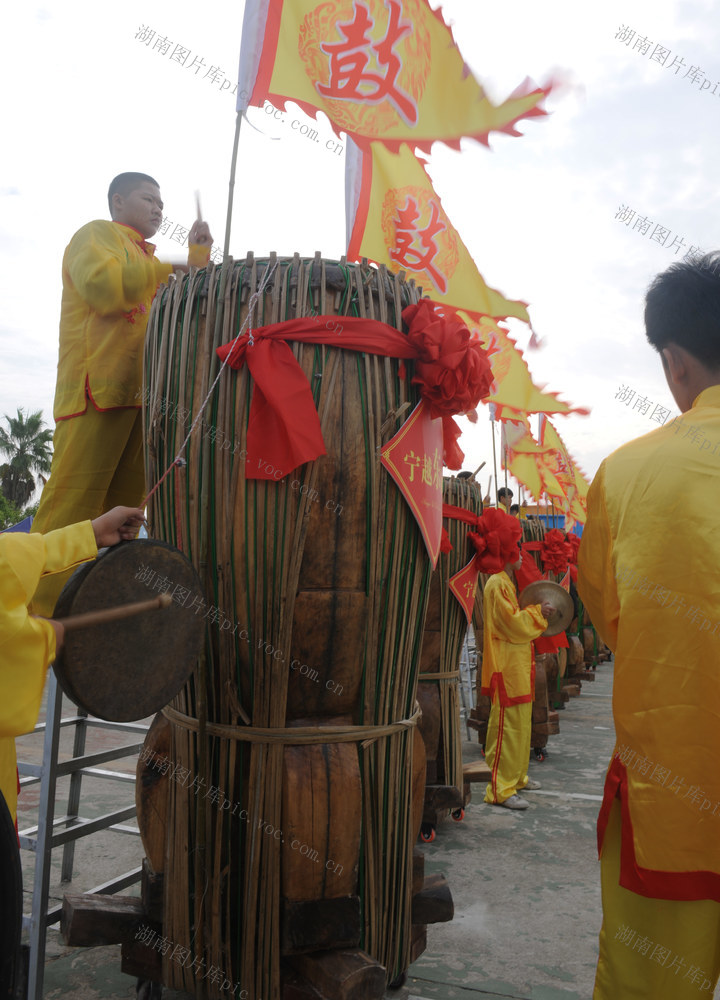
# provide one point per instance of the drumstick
(198, 209)
(113, 614)
(477, 470)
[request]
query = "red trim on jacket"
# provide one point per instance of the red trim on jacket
(497, 686)
(99, 409)
(691, 885)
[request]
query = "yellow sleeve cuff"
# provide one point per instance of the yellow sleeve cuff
(198, 255)
(68, 547)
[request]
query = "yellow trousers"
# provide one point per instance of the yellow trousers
(97, 464)
(507, 749)
(658, 949)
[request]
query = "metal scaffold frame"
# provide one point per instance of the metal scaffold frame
(52, 831)
(468, 666)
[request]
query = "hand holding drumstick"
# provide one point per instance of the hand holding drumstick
(117, 525)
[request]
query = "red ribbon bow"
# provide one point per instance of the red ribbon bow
(452, 370)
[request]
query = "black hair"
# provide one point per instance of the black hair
(682, 306)
(124, 184)
(514, 508)
(464, 475)
(504, 491)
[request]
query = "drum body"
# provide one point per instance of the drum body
(439, 680)
(315, 589)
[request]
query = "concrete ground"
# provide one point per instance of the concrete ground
(525, 885)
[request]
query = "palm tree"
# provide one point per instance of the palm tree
(27, 447)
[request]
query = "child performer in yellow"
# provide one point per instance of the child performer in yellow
(508, 672)
(28, 645)
(110, 276)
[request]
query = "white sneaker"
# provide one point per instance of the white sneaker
(532, 786)
(514, 802)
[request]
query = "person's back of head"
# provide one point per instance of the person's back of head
(682, 307)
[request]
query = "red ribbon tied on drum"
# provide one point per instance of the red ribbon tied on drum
(452, 371)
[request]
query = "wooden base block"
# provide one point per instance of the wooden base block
(89, 919)
(434, 903)
(418, 941)
(476, 771)
(585, 675)
(342, 974)
(553, 724)
(316, 924)
(139, 959)
(294, 987)
(440, 799)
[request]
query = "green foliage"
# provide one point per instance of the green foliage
(9, 513)
(26, 444)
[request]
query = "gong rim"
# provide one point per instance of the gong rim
(546, 590)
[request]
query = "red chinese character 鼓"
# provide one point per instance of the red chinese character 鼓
(407, 233)
(351, 76)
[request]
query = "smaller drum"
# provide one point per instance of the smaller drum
(128, 669)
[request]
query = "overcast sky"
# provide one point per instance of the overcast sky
(85, 99)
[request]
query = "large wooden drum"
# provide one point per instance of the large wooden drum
(290, 827)
(439, 687)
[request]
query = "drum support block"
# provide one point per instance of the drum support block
(317, 924)
(343, 975)
(433, 904)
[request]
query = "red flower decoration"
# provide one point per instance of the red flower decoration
(573, 543)
(554, 551)
(452, 367)
(495, 541)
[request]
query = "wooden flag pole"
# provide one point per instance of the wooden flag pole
(231, 191)
(492, 428)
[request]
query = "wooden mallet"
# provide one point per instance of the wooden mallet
(106, 615)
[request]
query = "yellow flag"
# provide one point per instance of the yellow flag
(563, 469)
(522, 456)
(386, 70)
(514, 393)
(396, 218)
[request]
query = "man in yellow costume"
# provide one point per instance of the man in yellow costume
(28, 645)
(110, 276)
(508, 668)
(649, 574)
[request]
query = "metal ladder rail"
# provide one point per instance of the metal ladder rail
(468, 663)
(43, 838)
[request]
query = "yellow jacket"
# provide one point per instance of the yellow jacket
(508, 668)
(110, 276)
(649, 574)
(27, 645)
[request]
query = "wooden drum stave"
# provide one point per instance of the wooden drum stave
(315, 595)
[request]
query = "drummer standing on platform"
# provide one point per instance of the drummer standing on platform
(110, 276)
(507, 670)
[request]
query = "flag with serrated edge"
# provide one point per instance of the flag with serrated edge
(381, 70)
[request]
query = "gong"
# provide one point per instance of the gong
(128, 669)
(546, 590)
